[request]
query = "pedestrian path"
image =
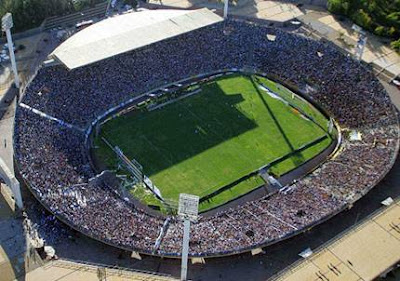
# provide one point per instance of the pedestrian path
(361, 253)
(71, 271)
(272, 10)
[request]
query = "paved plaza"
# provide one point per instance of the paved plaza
(362, 253)
(12, 242)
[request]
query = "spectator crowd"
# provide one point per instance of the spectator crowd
(53, 159)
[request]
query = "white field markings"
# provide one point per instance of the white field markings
(315, 124)
(170, 181)
(248, 160)
(200, 119)
(128, 142)
(243, 156)
(175, 100)
(271, 94)
(286, 96)
(181, 174)
(252, 105)
(49, 117)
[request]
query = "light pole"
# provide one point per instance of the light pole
(108, 7)
(361, 43)
(226, 9)
(6, 25)
(188, 211)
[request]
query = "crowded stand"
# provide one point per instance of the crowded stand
(54, 161)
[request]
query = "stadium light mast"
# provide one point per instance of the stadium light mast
(108, 8)
(226, 9)
(188, 211)
(6, 25)
(361, 43)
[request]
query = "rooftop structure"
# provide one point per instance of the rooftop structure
(127, 32)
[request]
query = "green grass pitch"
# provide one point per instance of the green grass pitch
(200, 143)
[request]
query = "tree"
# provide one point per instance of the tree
(338, 6)
(396, 45)
(379, 16)
(362, 19)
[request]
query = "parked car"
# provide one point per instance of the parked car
(396, 82)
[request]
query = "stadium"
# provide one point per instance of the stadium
(274, 131)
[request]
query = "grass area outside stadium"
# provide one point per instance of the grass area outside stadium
(232, 127)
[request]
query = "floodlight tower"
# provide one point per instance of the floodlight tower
(6, 25)
(226, 9)
(188, 211)
(361, 43)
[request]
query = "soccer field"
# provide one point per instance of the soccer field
(208, 140)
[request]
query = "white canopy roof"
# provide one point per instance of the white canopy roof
(127, 32)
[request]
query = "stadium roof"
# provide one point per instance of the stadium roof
(127, 32)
